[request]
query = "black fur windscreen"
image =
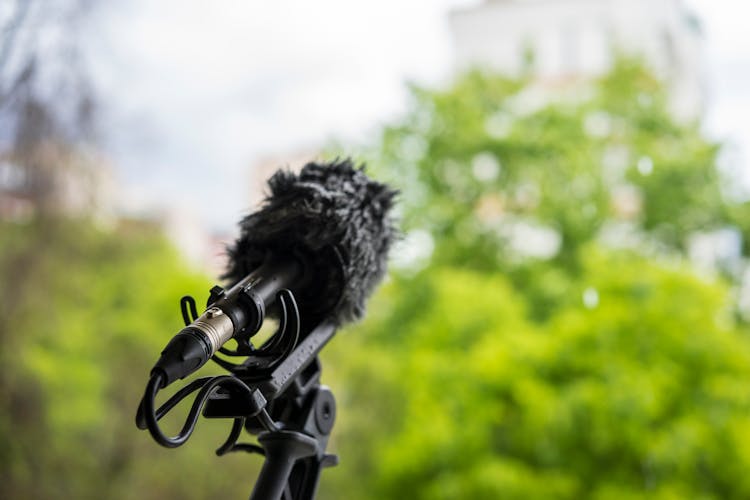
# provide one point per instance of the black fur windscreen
(337, 219)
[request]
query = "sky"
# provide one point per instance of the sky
(194, 96)
(727, 67)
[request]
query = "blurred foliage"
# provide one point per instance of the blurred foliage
(606, 366)
(491, 151)
(84, 313)
(490, 165)
(454, 393)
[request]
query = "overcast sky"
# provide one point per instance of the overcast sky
(194, 92)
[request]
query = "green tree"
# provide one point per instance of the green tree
(490, 159)
(490, 150)
(85, 313)
(638, 395)
(602, 367)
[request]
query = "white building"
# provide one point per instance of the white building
(560, 39)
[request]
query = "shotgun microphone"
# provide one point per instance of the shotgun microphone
(322, 234)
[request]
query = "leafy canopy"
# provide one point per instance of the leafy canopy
(554, 341)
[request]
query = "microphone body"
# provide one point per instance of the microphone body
(324, 234)
(240, 310)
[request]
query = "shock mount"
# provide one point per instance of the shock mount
(274, 394)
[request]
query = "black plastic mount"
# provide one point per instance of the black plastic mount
(275, 394)
(302, 413)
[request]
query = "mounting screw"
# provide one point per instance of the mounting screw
(213, 312)
(325, 410)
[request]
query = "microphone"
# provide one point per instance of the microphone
(323, 234)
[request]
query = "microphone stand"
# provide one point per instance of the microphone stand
(302, 414)
(278, 398)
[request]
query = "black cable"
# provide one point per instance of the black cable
(234, 434)
(188, 309)
(148, 415)
(180, 395)
(140, 418)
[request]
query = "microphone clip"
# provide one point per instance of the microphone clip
(260, 360)
(275, 394)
